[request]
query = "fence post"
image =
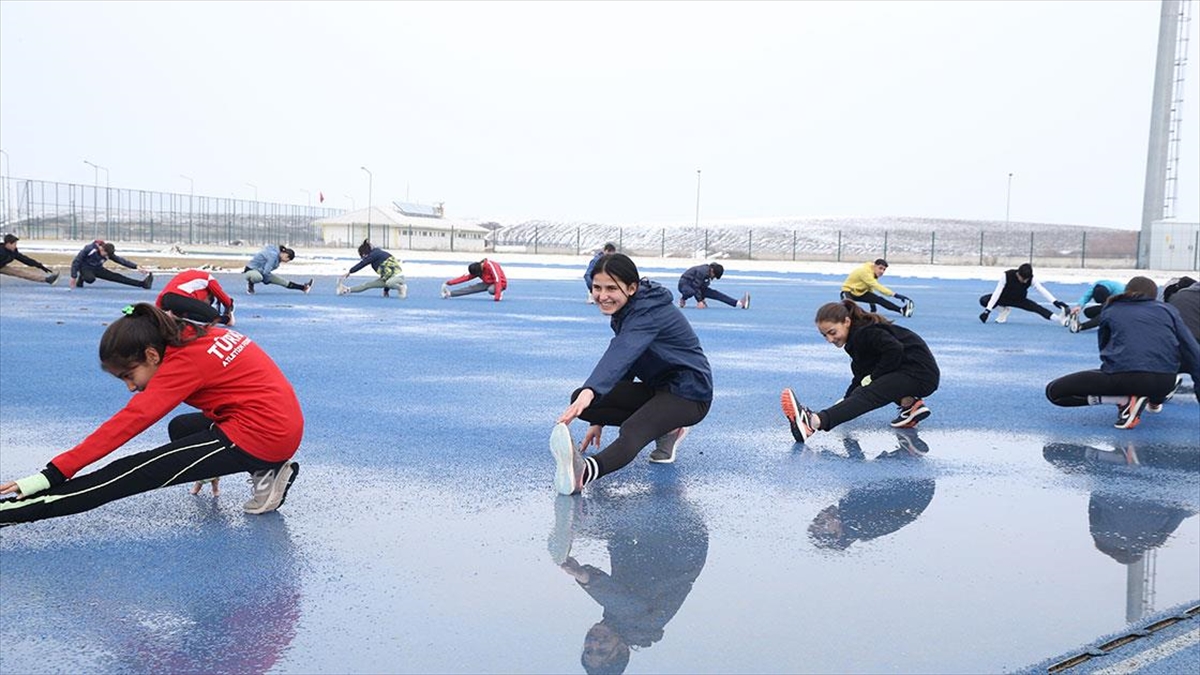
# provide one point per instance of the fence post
(577, 242)
(981, 248)
(750, 245)
(885, 238)
(663, 252)
(452, 238)
(932, 245)
(706, 242)
(793, 245)
(839, 249)
(1031, 247)
(1083, 251)
(535, 239)
(621, 238)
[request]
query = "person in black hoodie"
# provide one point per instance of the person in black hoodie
(653, 381)
(1144, 344)
(1013, 291)
(890, 365)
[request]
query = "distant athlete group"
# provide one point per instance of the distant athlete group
(653, 382)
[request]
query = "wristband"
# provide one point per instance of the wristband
(31, 485)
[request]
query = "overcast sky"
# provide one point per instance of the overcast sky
(603, 112)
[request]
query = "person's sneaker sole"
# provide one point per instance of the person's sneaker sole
(563, 450)
(791, 410)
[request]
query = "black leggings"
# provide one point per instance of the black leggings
(1093, 315)
(1024, 303)
(88, 275)
(643, 413)
(190, 308)
(872, 299)
(198, 451)
(889, 388)
(1074, 389)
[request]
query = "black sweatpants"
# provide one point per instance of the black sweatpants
(643, 413)
(189, 308)
(889, 388)
(89, 275)
(1073, 390)
(198, 450)
(872, 299)
(1025, 304)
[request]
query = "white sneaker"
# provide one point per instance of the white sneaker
(403, 291)
(445, 291)
(271, 487)
(744, 303)
(342, 289)
(1063, 318)
(1003, 314)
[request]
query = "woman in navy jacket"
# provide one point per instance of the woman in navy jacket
(1143, 345)
(655, 345)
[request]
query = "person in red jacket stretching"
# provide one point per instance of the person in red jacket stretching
(249, 421)
(491, 279)
(192, 294)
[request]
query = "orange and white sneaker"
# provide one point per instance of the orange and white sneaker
(1130, 414)
(799, 418)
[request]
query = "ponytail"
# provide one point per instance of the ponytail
(124, 342)
(838, 312)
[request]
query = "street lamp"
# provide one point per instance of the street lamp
(370, 185)
(191, 194)
(96, 168)
(698, 210)
(6, 175)
(1008, 199)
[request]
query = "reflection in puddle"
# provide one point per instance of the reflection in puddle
(657, 544)
(225, 600)
(878, 507)
(1129, 527)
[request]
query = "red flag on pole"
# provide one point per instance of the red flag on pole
(320, 197)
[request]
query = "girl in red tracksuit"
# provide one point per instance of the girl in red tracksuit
(191, 295)
(491, 278)
(249, 420)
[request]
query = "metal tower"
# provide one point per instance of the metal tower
(1166, 117)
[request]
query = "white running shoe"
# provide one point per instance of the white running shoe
(403, 291)
(1003, 316)
(342, 289)
(271, 487)
(744, 303)
(445, 291)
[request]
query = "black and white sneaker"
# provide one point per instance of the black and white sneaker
(1130, 414)
(910, 416)
(907, 310)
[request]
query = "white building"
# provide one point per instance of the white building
(413, 227)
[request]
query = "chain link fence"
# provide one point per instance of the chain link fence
(70, 211)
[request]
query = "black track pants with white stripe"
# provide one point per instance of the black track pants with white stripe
(198, 450)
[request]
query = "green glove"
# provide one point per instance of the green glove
(865, 381)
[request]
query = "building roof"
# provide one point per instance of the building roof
(384, 216)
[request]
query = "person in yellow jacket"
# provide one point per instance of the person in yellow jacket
(862, 285)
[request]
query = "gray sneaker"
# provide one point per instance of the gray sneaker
(569, 464)
(270, 488)
(666, 445)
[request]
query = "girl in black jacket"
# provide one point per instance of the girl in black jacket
(890, 365)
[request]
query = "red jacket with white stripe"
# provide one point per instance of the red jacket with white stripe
(227, 377)
(490, 274)
(196, 284)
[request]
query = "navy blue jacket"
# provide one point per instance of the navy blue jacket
(877, 349)
(89, 256)
(1143, 335)
(375, 258)
(696, 279)
(654, 343)
(587, 276)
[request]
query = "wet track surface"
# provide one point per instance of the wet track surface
(423, 533)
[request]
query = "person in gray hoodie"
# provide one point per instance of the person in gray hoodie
(653, 381)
